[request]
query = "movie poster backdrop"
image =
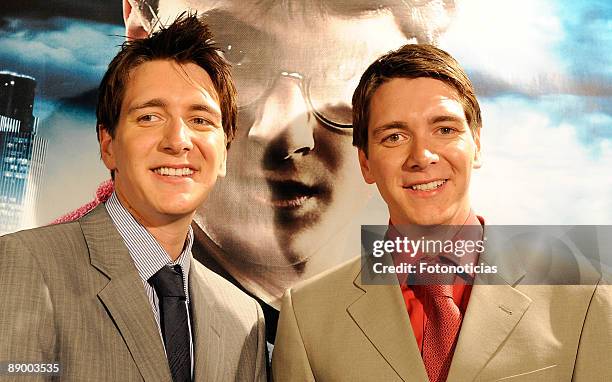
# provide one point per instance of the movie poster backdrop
(293, 200)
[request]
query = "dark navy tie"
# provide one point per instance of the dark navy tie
(168, 284)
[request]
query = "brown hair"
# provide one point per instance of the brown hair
(412, 61)
(186, 40)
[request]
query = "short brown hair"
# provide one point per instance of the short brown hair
(412, 61)
(186, 40)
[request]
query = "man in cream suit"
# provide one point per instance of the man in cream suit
(116, 295)
(417, 129)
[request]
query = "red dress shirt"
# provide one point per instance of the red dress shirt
(461, 290)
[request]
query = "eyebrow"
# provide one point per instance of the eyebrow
(157, 102)
(445, 118)
(389, 126)
(204, 108)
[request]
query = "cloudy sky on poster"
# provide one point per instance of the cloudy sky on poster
(543, 70)
(546, 70)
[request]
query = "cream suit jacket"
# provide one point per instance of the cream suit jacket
(334, 328)
(71, 294)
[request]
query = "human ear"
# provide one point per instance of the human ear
(365, 167)
(477, 155)
(106, 148)
(223, 165)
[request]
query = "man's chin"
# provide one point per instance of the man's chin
(420, 218)
(434, 217)
(180, 205)
(267, 246)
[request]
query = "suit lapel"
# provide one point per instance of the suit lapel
(123, 295)
(207, 326)
(381, 315)
(495, 308)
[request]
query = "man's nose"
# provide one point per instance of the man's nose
(422, 154)
(176, 138)
(284, 119)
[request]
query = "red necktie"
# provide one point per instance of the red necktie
(441, 330)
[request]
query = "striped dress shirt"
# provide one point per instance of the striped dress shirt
(149, 257)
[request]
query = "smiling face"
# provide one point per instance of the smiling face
(169, 146)
(421, 152)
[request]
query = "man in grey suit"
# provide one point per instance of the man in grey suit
(116, 295)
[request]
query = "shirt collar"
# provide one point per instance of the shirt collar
(148, 255)
(472, 229)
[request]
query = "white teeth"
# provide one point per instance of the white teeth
(428, 186)
(170, 171)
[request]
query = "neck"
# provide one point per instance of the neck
(460, 218)
(171, 237)
(169, 231)
(269, 281)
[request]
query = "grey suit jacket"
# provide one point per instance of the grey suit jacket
(71, 294)
(335, 328)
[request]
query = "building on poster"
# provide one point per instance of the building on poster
(22, 152)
